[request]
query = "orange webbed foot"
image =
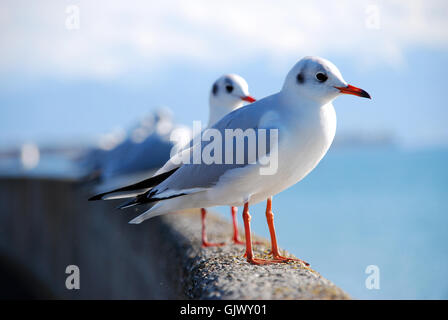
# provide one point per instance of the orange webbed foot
(286, 259)
(257, 261)
(206, 244)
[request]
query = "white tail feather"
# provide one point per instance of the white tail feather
(123, 194)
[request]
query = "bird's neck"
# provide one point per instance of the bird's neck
(301, 104)
(216, 112)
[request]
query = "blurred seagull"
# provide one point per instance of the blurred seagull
(146, 149)
(228, 93)
(304, 116)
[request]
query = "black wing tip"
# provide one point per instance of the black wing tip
(97, 197)
(148, 183)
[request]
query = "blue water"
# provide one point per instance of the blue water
(359, 207)
(380, 207)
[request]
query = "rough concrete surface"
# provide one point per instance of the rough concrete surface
(223, 273)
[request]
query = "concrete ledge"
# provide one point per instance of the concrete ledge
(46, 225)
(223, 273)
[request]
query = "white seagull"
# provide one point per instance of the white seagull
(304, 116)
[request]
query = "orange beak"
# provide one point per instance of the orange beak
(349, 89)
(248, 99)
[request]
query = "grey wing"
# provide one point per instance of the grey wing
(193, 178)
(197, 177)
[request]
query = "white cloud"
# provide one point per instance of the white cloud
(118, 36)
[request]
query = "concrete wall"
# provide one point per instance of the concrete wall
(46, 225)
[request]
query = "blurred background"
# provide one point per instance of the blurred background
(79, 79)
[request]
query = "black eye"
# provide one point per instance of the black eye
(300, 78)
(229, 88)
(321, 77)
(215, 89)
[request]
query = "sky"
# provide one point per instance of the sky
(71, 71)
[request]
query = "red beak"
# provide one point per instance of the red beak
(349, 89)
(248, 99)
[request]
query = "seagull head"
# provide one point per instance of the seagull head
(228, 93)
(318, 79)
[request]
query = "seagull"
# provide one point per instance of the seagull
(229, 92)
(136, 155)
(304, 117)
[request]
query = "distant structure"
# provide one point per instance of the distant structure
(29, 156)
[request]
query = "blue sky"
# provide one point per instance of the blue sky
(59, 83)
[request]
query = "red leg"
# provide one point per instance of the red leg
(249, 253)
(205, 243)
(274, 247)
(236, 237)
